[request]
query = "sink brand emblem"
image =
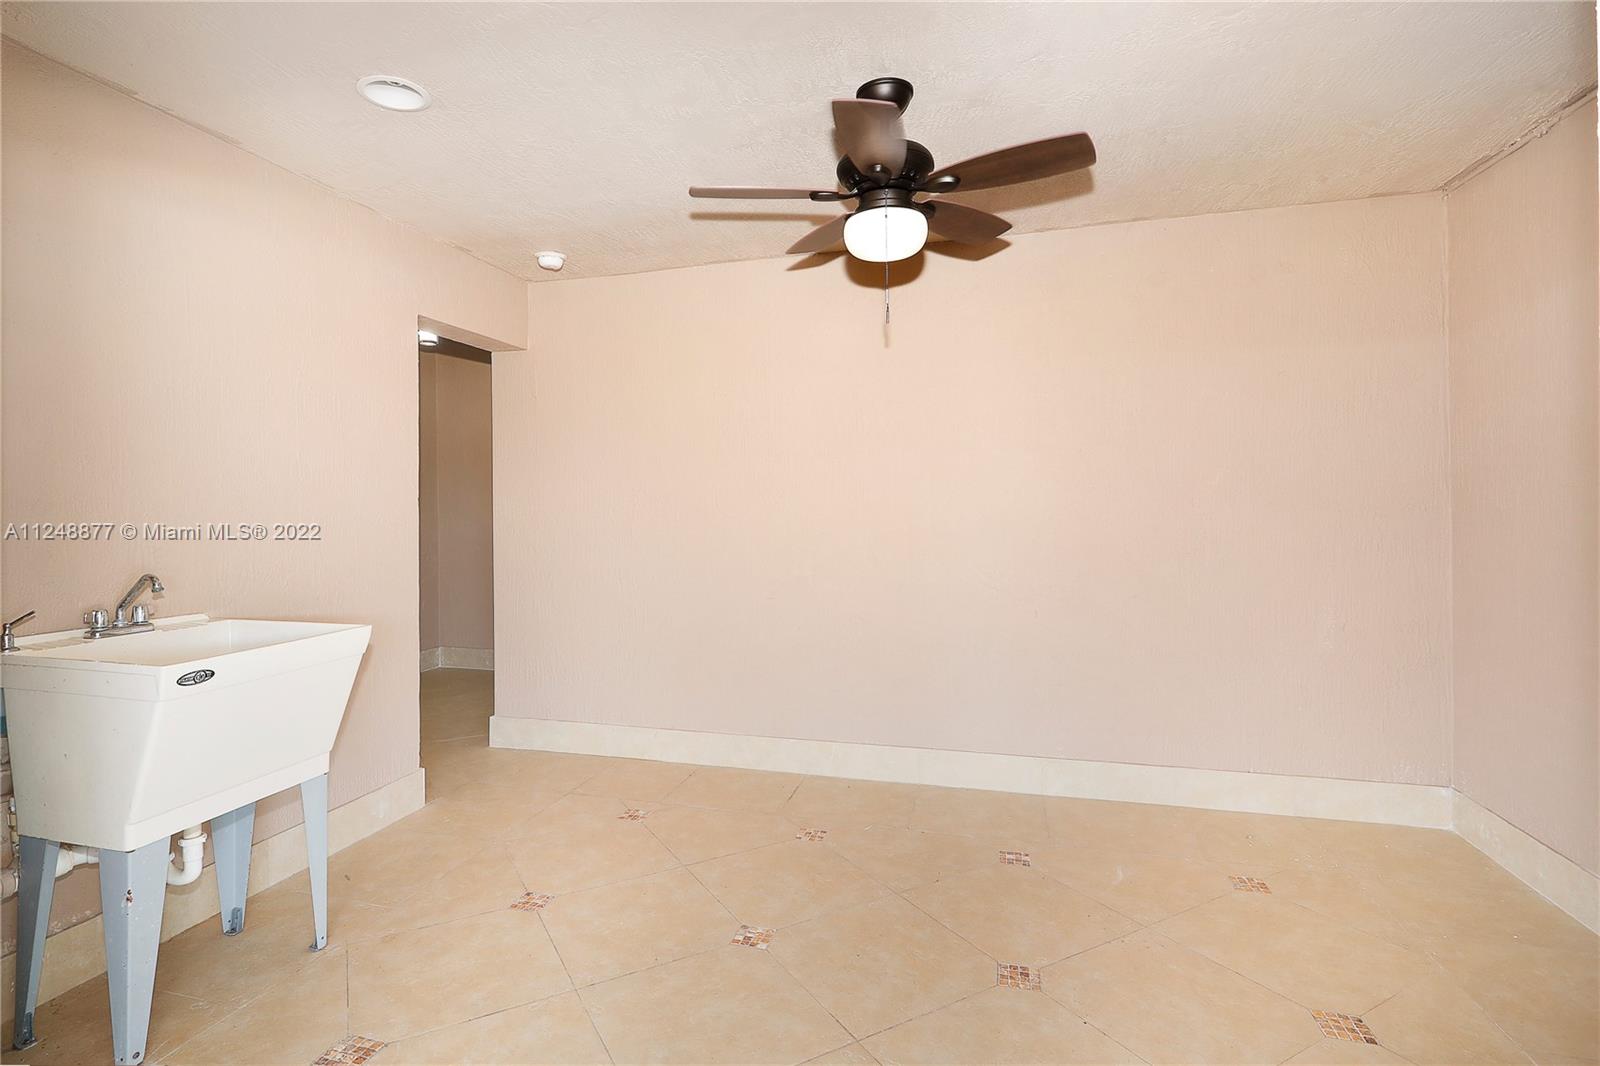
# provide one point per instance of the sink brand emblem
(197, 677)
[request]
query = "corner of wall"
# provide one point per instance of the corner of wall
(1508, 231)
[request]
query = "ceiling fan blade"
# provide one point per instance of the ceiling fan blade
(821, 238)
(966, 225)
(1023, 162)
(741, 192)
(871, 133)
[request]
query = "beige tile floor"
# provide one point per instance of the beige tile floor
(884, 936)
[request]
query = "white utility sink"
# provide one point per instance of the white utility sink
(123, 740)
(119, 741)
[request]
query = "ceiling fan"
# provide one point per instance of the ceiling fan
(884, 172)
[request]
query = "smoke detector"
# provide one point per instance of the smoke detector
(551, 260)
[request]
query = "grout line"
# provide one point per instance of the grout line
(1518, 1044)
(1112, 907)
(778, 928)
(776, 956)
(651, 966)
(924, 1014)
(610, 884)
(1380, 1041)
(478, 1017)
(574, 986)
(668, 802)
(778, 960)
(1259, 984)
(697, 879)
(1181, 946)
(1096, 1027)
(587, 1013)
(992, 958)
(847, 1044)
(296, 971)
(1320, 1038)
(1044, 990)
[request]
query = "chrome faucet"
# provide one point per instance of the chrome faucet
(124, 622)
(8, 642)
(156, 588)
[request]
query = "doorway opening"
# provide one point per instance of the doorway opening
(455, 503)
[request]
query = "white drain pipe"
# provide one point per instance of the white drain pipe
(71, 856)
(192, 845)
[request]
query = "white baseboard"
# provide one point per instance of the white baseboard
(1545, 870)
(77, 953)
(458, 659)
(1225, 790)
(1560, 880)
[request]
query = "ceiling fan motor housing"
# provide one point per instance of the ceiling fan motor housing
(917, 167)
(888, 196)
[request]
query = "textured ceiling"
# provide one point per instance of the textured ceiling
(578, 127)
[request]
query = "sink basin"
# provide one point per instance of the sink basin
(123, 740)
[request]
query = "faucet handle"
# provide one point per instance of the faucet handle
(95, 619)
(141, 614)
(7, 641)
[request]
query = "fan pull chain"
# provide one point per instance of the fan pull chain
(886, 267)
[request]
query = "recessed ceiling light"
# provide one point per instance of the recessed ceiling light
(394, 94)
(551, 260)
(427, 338)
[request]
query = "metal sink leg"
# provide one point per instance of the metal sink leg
(133, 891)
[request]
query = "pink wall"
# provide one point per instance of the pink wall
(1525, 479)
(193, 335)
(457, 504)
(1171, 492)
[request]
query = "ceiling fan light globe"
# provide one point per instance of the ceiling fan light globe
(885, 234)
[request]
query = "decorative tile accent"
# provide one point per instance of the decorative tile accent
(532, 901)
(1344, 1027)
(811, 834)
(1015, 975)
(753, 936)
(632, 814)
(1016, 858)
(351, 1051)
(1249, 884)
